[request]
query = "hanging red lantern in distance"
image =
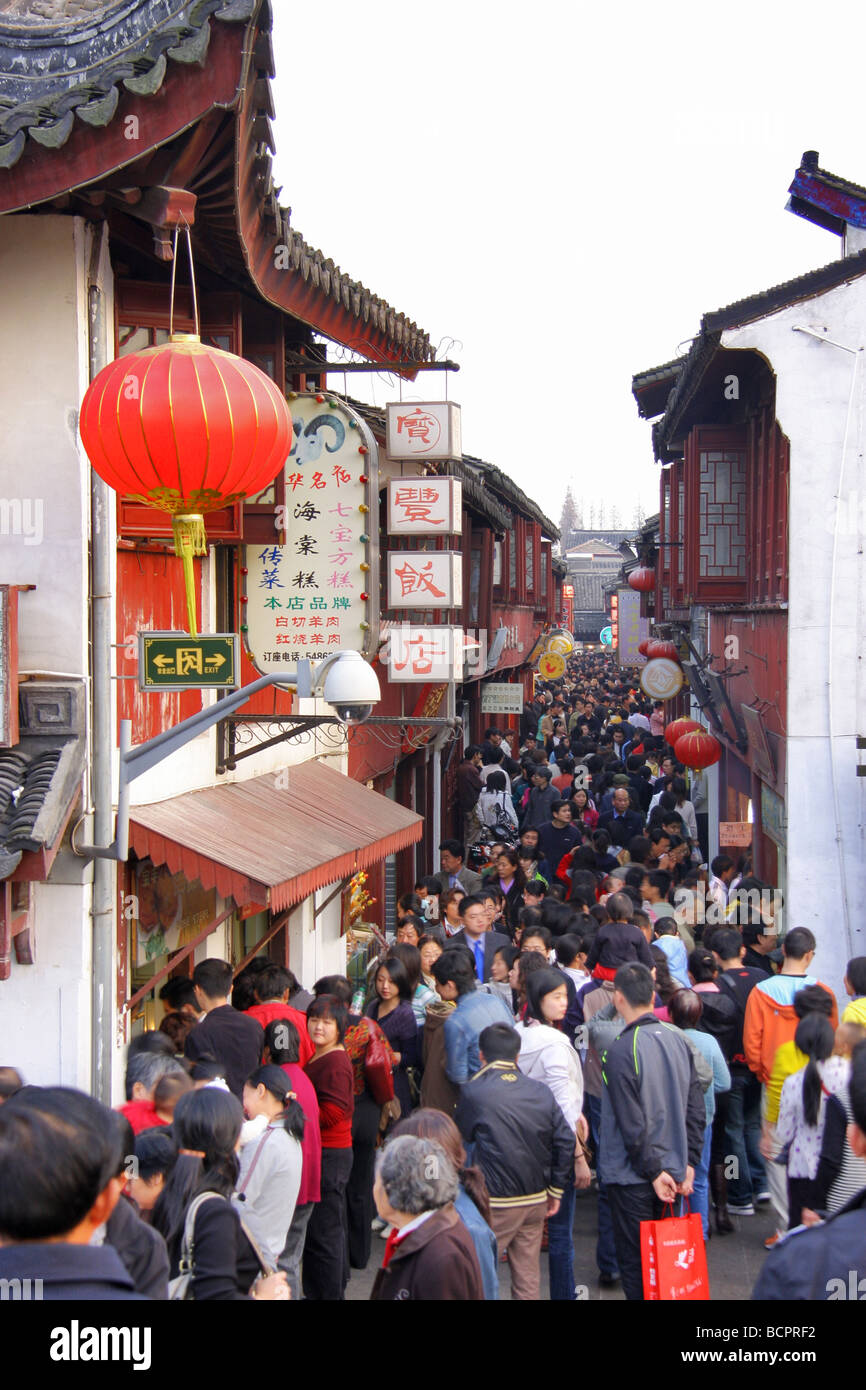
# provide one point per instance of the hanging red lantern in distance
(658, 648)
(697, 749)
(678, 727)
(643, 579)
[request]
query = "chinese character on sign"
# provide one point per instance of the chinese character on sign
(419, 652)
(305, 581)
(306, 545)
(426, 429)
(305, 511)
(417, 580)
(417, 504)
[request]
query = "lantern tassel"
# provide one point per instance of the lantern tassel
(190, 539)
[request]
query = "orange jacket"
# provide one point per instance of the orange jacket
(770, 1019)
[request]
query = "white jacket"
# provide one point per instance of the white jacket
(547, 1055)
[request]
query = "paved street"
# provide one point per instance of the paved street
(734, 1260)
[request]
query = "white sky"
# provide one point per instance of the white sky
(563, 191)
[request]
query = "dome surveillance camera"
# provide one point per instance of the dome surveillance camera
(352, 687)
(353, 714)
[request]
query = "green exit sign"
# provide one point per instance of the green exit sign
(176, 661)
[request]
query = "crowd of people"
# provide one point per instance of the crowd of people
(576, 997)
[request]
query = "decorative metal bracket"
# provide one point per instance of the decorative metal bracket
(242, 736)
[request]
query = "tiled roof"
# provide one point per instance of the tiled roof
(589, 589)
(66, 66)
(743, 311)
(826, 199)
(36, 786)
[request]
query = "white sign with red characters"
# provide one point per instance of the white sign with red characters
(425, 579)
(317, 594)
(417, 654)
(425, 506)
(423, 430)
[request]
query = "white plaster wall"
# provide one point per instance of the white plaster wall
(821, 406)
(45, 1008)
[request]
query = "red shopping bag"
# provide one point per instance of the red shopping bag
(674, 1259)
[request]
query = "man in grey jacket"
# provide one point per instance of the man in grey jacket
(652, 1119)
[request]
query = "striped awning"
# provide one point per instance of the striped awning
(274, 840)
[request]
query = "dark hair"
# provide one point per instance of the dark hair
(813, 999)
(568, 948)
(435, 1124)
(727, 943)
(635, 981)
(495, 780)
(417, 924)
(155, 1151)
(457, 967)
(410, 902)
(472, 900)
(815, 1037)
(283, 1041)
(271, 983)
(329, 1006)
(177, 1027)
(499, 1042)
(527, 963)
(275, 1080)
(721, 864)
(508, 953)
(537, 887)
(855, 970)
(178, 992)
(528, 917)
(214, 978)
(661, 880)
(685, 1008)
(798, 943)
(541, 932)
(338, 985)
(207, 1069)
(702, 967)
(244, 988)
(398, 975)
(59, 1149)
(206, 1121)
(454, 847)
(410, 958)
(539, 984)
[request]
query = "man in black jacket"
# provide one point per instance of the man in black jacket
(516, 1132)
(60, 1157)
(652, 1119)
(739, 1108)
(228, 1036)
(621, 823)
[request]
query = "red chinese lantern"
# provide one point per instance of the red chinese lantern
(186, 428)
(678, 727)
(658, 649)
(643, 647)
(643, 579)
(697, 749)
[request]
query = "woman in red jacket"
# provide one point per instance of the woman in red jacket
(326, 1270)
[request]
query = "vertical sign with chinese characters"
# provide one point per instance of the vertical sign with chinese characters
(425, 579)
(423, 430)
(629, 628)
(318, 593)
(425, 506)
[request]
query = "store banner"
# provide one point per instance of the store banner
(425, 506)
(317, 593)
